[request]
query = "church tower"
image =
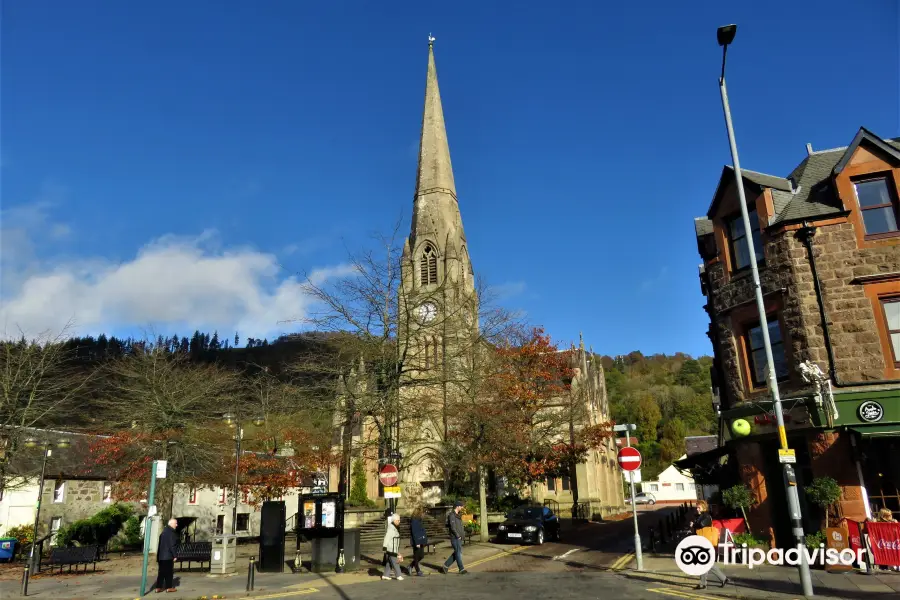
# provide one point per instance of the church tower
(438, 302)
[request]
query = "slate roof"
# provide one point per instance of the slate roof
(807, 192)
(74, 462)
(703, 226)
(700, 443)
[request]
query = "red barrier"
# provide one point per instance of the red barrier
(884, 538)
(854, 534)
(732, 525)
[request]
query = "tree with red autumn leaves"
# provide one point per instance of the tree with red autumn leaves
(160, 405)
(532, 422)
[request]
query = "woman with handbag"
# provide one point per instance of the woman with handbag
(392, 554)
(703, 526)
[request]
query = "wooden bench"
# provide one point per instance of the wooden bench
(200, 552)
(74, 556)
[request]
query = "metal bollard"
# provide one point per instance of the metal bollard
(251, 574)
(652, 540)
(25, 580)
(662, 531)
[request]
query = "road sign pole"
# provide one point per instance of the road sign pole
(148, 529)
(637, 534)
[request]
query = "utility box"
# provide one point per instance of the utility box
(224, 550)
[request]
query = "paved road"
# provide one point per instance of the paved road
(592, 547)
(496, 586)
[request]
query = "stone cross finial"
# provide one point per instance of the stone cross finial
(431, 39)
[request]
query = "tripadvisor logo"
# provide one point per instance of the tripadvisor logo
(696, 555)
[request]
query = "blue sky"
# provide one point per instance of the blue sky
(175, 165)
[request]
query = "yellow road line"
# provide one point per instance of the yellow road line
(681, 594)
(283, 594)
(621, 562)
(500, 554)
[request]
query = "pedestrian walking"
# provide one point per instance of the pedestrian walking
(418, 539)
(457, 531)
(165, 557)
(392, 556)
(703, 525)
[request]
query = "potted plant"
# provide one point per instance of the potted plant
(739, 497)
(825, 493)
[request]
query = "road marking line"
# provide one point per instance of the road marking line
(681, 594)
(283, 594)
(500, 554)
(565, 554)
(621, 562)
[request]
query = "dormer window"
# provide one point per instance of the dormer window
(877, 205)
(428, 266)
(737, 241)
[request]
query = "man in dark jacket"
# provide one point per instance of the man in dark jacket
(457, 531)
(165, 557)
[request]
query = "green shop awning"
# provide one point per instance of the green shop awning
(877, 430)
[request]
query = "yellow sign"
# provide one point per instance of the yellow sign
(392, 491)
(787, 456)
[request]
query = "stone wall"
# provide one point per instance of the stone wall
(832, 456)
(787, 281)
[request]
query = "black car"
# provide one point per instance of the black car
(529, 524)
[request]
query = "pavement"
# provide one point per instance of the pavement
(591, 561)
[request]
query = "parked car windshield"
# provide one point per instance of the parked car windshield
(525, 513)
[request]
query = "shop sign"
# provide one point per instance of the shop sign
(870, 411)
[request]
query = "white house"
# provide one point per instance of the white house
(17, 506)
(205, 511)
(671, 486)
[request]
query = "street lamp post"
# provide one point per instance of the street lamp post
(47, 448)
(232, 421)
(725, 36)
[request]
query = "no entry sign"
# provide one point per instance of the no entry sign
(629, 459)
(388, 475)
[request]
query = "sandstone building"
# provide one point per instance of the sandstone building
(828, 250)
(439, 342)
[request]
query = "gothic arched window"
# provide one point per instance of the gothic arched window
(428, 266)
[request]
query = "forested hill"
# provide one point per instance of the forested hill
(667, 397)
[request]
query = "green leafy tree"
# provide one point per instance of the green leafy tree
(825, 493)
(647, 418)
(359, 495)
(739, 497)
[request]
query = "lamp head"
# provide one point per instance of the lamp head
(63, 443)
(259, 421)
(725, 34)
(229, 419)
(31, 443)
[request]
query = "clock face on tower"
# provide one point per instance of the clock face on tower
(426, 312)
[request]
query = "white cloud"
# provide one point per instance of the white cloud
(173, 283)
(508, 290)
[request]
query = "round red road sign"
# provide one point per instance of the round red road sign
(388, 476)
(629, 459)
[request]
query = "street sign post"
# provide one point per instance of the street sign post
(630, 460)
(148, 522)
(388, 476)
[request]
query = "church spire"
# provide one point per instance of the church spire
(435, 172)
(435, 208)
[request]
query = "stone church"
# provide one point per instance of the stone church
(440, 342)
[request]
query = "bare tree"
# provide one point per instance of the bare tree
(160, 405)
(41, 383)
